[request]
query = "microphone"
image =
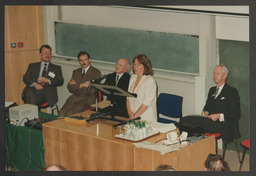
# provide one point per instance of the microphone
(99, 78)
(103, 77)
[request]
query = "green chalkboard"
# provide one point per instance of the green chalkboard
(235, 55)
(166, 51)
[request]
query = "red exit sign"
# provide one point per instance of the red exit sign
(20, 44)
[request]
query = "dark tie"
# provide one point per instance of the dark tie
(117, 78)
(44, 70)
(216, 93)
(83, 74)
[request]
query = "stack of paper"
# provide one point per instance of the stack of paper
(162, 127)
(156, 147)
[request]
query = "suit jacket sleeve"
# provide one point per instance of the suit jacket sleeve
(58, 79)
(149, 92)
(31, 74)
(233, 108)
(208, 101)
(74, 88)
(91, 74)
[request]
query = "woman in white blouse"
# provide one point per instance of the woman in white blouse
(143, 84)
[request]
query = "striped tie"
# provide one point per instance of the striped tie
(117, 79)
(216, 93)
(44, 71)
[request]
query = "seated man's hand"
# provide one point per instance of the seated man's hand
(43, 80)
(71, 82)
(84, 85)
(204, 113)
(214, 117)
(38, 86)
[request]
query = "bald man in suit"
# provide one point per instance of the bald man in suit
(120, 78)
(83, 94)
(42, 79)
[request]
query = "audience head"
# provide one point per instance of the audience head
(142, 65)
(53, 167)
(45, 53)
(215, 162)
(122, 66)
(84, 59)
(164, 167)
(220, 74)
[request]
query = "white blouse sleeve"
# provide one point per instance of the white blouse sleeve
(150, 92)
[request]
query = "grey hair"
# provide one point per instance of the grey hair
(224, 69)
(128, 65)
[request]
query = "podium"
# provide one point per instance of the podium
(112, 91)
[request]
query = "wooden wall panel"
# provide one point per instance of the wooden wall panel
(22, 24)
(16, 64)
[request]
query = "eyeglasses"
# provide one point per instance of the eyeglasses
(82, 60)
(45, 53)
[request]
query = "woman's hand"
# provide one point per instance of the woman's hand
(131, 115)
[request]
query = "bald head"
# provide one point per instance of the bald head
(122, 66)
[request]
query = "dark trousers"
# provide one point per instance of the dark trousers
(208, 125)
(32, 96)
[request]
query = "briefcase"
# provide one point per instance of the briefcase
(192, 130)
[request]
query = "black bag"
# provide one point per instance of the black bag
(192, 130)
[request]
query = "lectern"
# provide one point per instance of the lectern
(111, 91)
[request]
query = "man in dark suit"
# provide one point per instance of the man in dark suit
(120, 78)
(83, 94)
(42, 79)
(222, 108)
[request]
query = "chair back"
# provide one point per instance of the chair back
(169, 105)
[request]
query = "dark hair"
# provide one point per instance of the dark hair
(144, 60)
(164, 167)
(83, 53)
(58, 166)
(44, 46)
(215, 162)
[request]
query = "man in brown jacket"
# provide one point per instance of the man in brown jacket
(83, 95)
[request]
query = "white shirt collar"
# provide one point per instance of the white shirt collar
(42, 63)
(120, 75)
(220, 89)
(85, 69)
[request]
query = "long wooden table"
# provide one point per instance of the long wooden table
(93, 147)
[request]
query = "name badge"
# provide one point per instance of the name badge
(51, 74)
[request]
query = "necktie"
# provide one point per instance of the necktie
(117, 78)
(216, 93)
(44, 70)
(83, 74)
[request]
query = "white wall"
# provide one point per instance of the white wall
(193, 87)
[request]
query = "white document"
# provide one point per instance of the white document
(156, 147)
(162, 127)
